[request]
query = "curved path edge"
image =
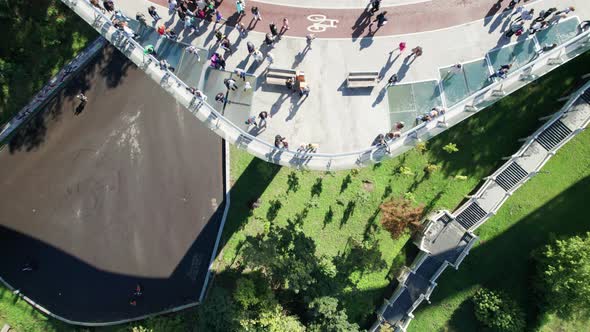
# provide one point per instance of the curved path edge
(223, 127)
(527, 162)
(41, 99)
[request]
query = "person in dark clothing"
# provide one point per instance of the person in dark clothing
(251, 47)
(153, 13)
(269, 39)
(273, 29)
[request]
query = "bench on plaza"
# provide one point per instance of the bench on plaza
(279, 76)
(5, 328)
(362, 79)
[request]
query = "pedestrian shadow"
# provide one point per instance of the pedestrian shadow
(380, 97)
(300, 56)
(491, 12)
(361, 23)
(276, 106)
(366, 41)
(388, 64)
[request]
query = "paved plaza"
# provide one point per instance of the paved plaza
(340, 119)
(117, 195)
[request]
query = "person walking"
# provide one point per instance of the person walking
(416, 52)
(392, 80)
(270, 58)
(172, 6)
(381, 19)
(256, 12)
(251, 47)
(251, 121)
(516, 28)
(285, 26)
(526, 15)
(273, 29)
(189, 24)
(309, 39)
(230, 84)
(220, 98)
(241, 74)
(257, 55)
(269, 39)
(153, 13)
(247, 86)
(375, 4)
(240, 8)
(218, 16)
(544, 14)
(140, 18)
(83, 99)
(262, 115)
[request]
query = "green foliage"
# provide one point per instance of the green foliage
(459, 177)
(563, 272)
(326, 317)
(218, 312)
(404, 170)
(431, 168)
(44, 36)
(421, 147)
(410, 196)
(451, 148)
(285, 255)
(495, 310)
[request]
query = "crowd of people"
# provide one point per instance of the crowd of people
(192, 12)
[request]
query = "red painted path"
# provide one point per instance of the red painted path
(354, 23)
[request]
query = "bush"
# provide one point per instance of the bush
(399, 214)
(451, 148)
(563, 271)
(495, 310)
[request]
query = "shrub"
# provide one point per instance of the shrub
(563, 271)
(398, 214)
(495, 310)
(421, 147)
(451, 148)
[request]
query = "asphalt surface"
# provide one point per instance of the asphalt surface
(129, 191)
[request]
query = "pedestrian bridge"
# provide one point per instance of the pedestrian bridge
(461, 94)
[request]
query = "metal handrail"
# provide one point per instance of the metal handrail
(396, 143)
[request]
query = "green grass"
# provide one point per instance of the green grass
(548, 205)
(482, 140)
(22, 317)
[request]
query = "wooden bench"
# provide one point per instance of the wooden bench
(362, 79)
(5, 328)
(279, 76)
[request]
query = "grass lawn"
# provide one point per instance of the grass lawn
(546, 206)
(336, 207)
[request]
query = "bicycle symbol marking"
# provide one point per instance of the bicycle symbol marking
(320, 23)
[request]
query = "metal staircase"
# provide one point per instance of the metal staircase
(471, 215)
(553, 135)
(510, 176)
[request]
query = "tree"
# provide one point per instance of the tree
(325, 316)
(398, 214)
(286, 256)
(495, 310)
(563, 272)
(218, 312)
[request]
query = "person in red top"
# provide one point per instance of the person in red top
(161, 30)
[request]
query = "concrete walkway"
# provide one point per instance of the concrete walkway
(341, 120)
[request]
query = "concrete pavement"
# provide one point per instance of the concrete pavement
(339, 119)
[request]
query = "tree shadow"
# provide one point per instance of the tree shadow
(515, 117)
(348, 212)
(345, 183)
(328, 217)
(293, 182)
(273, 210)
(511, 250)
(316, 188)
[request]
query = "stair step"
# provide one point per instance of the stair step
(553, 135)
(471, 215)
(510, 176)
